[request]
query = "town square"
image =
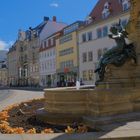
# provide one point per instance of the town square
(73, 81)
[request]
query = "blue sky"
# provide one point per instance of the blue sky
(21, 14)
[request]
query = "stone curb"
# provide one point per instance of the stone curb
(114, 135)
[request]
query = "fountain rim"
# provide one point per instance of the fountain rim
(82, 88)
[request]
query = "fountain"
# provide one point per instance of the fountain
(116, 98)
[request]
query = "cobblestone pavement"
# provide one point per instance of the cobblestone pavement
(10, 97)
(127, 131)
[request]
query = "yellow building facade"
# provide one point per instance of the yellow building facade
(3, 77)
(67, 61)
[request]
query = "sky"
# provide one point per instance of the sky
(22, 14)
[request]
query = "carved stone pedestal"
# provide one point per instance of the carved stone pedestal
(110, 105)
(117, 99)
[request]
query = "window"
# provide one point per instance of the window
(89, 36)
(90, 56)
(105, 31)
(105, 14)
(102, 32)
(83, 37)
(50, 53)
(126, 5)
(30, 68)
(45, 66)
(107, 10)
(99, 53)
(71, 63)
(50, 64)
(49, 42)
(71, 28)
(84, 75)
(66, 64)
(65, 38)
(84, 57)
(33, 56)
(90, 75)
(42, 66)
(66, 52)
(44, 44)
(99, 33)
(52, 42)
(41, 45)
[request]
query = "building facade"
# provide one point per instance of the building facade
(47, 54)
(23, 57)
(67, 63)
(12, 64)
(3, 77)
(93, 37)
(48, 61)
(3, 55)
(3, 73)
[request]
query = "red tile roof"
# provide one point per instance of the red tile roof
(115, 5)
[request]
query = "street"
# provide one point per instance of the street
(10, 97)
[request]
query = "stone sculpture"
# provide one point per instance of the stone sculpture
(117, 55)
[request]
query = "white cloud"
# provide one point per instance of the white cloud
(5, 45)
(54, 4)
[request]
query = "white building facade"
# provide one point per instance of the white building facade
(47, 54)
(94, 40)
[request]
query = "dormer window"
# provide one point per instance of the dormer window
(106, 10)
(125, 4)
(105, 14)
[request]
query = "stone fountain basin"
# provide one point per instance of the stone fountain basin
(95, 107)
(65, 105)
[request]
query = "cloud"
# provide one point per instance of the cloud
(5, 45)
(54, 4)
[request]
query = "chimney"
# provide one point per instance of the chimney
(54, 18)
(46, 18)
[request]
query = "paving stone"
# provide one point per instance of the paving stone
(10, 137)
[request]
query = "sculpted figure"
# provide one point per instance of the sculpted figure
(117, 55)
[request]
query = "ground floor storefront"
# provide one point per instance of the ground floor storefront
(48, 80)
(67, 77)
(12, 81)
(33, 81)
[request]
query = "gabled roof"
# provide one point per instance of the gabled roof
(115, 5)
(40, 26)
